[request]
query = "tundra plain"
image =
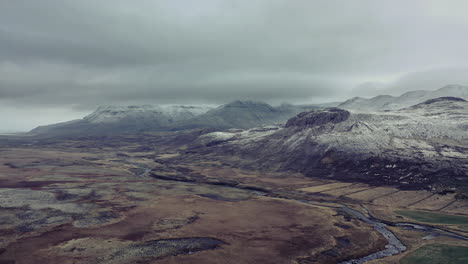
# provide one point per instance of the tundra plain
(120, 201)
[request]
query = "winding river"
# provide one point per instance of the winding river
(394, 246)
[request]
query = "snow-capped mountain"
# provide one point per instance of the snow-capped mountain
(423, 145)
(127, 119)
(124, 119)
(244, 114)
(164, 115)
(238, 114)
(387, 102)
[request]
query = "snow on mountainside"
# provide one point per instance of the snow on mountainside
(164, 114)
(423, 145)
(387, 102)
(238, 114)
(442, 107)
(128, 119)
(123, 119)
(244, 114)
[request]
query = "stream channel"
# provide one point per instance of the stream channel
(394, 246)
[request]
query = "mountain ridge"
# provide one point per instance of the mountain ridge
(237, 114)
(388, 102)
(147, 118)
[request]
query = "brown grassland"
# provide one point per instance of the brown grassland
(65, 203)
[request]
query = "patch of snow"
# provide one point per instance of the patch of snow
(109, 114)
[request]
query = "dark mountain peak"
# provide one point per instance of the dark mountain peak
(318, 118)
(243, 106)
(382, 96)
(246, 104)
(448, 105)
(242, 114)
(444, 99)
(354, 99)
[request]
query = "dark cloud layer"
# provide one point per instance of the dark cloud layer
(71, 54)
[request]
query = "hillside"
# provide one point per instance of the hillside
(243, 114)
(143, 118)
(123, 119)
(423, 146)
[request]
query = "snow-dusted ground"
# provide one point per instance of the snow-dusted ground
(378, 129)
(435, 133)
(110, 114)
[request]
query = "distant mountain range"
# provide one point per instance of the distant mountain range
(387, 102)
(416, 140)
(140, 118)
(238, 114)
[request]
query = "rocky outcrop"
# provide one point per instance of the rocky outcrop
(443, 108)
(319, 118)
(444, 99)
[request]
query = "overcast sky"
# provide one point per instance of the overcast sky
(59, 59)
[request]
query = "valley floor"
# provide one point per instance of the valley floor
(81, 202)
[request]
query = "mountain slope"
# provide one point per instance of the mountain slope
(387, 102)
(160, 115)
(423, 146)
(243, 114)
(124, 119)
(131, 119)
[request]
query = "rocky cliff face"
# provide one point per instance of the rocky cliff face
(318, 118)
(419, 147)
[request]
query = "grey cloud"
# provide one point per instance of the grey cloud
(422, 80)
(79, 54)
(148, 85)
(430, 79)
